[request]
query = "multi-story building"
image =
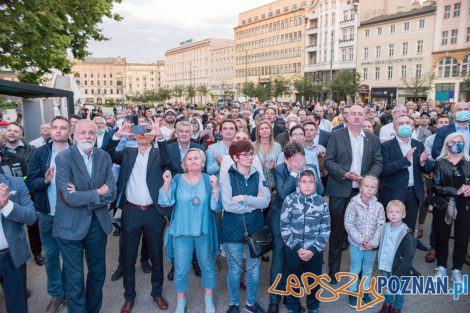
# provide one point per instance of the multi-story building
(269, 42)
(112, 79)
(222, 71)
(330, 37)
(394, 52)
(451, 54)
(190, 63)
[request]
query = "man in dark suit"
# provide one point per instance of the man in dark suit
(138, 198)
(16, 209)
(103, 135)
(270, 115)
(404, 162)
(85, 187)
(284, 137)
(460, 113)
(321, 137)
(351, 154)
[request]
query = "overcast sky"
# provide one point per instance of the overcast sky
(149, 27)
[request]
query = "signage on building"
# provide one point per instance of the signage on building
(383, 92)
(391, 61)
(364, 89)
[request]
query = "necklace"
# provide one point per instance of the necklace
(195, 200)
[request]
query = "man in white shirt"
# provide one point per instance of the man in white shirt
(324, 124)
(387, 132)
(45, 132)
(169, 128)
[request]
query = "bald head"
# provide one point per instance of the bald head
(356, 116)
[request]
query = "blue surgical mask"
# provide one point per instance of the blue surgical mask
(462, 116)
(405, 130)
(456, 148)
(101, 131)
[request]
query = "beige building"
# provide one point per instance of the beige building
(395, 50)
(191, 62)
(104, 80)
(222, 72)
(269, 42)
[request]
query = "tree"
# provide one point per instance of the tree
(163, 94)
(418, 86)
(179, 91)
(248, 89)
(307, 88)
(263, 91)
(190, 92)
(280, 87)
(345, 83)
(36, 36)
(202, 90)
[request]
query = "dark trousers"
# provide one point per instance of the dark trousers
(461, 236)
(278, 266)
(81, 298)
(34, 239)
(135, 222)
(144, 250)
(412, 209)
(297, 267)
(13, 281)
(338, 233)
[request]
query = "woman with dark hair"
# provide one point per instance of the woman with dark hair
(244, 195)
(451, 183)
(207, 134)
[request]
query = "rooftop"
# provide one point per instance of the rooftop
(400, 15)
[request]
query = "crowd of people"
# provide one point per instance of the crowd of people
(196, 186)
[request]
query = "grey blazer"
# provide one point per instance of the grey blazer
(74, 210)
(338, 160)
(23, 213)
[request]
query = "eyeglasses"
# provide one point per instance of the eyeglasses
(248, 154)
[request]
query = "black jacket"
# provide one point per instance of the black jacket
(442, 178)
(404, 254)
(25, 151)
(12, 165)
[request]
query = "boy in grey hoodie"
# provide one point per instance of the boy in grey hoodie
(305, 229)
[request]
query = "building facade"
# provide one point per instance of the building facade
(104, 80)
(394, 53)
(451, 53)
(330, 37)
(222, 72)
(269, 42)
(190, 63)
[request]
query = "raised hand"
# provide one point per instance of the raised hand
(49, 175)
(124, 130)
(155, 129)
(167, 177)
(4, 195)
(213, 180)
(409, 154)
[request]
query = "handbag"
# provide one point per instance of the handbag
(439, 203)
(260, 242)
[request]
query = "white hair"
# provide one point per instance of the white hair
(445, 153)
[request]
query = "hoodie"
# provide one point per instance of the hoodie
(364, 221)
(305, 220)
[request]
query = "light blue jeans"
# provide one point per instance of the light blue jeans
(234, 254)
(361, 261)
(397, 300)
(183, 255)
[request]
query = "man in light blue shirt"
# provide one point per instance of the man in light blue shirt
(218, 150)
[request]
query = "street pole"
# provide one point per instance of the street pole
(246, 71)
(331, 66)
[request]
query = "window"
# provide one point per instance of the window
(365, 73)
(468, 35)
(392, 29)
(391, 50)
(456, 9)
(390, 72)
(448, 67)
(406, 26)
(418, 70)
(421, 23)
(465, 66)
(379, 31)
(343, 54)
(453, 37)
(344, 32)
(377, 73)
(419, 47)
(445, 34)
(378, 51)
(351, 54)
(366, 33)
(446, 11)
(403, 71)
(404, 48)
(366, 53)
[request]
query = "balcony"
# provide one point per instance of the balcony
(312, 30)
(311, 48)
(346, 42)
(346, 22)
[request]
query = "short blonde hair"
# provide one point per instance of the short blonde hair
(201, 154)
(396, 203)
(371, 179)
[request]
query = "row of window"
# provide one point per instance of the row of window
(392, 28)
(270, 56)
(391, 50)
(270, 70)
(449, 67)
(456, 11)
(277, 12)
(92, 91)
(271, 41)
(98, 82)
(453, 36)
(389, 72)
(270, 27)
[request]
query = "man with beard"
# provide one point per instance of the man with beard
(169, 128)
(85, 187)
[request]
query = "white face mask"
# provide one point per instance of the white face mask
(86, 145)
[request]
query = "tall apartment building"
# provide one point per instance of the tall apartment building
(269, 41)
(191, 62)
(394, 50)
(112, 79)
(451, 55)
(330, 37)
